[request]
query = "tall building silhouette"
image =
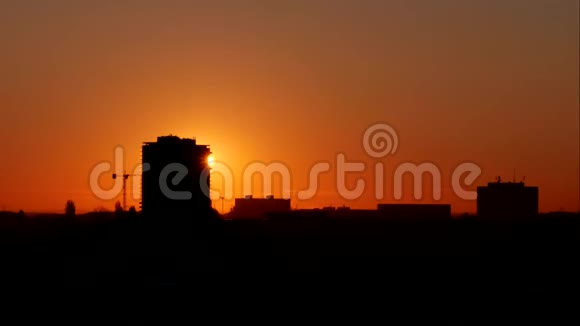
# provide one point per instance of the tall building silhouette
(507, 199)
(175, 178)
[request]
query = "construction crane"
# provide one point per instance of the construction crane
(220, 198)
(125, 176)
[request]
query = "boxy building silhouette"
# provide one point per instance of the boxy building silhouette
(187, 196)
(249, 207)
(507, 199)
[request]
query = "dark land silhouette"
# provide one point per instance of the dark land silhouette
(263, 245)
(302, 252)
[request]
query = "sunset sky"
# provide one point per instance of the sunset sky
(494, 82)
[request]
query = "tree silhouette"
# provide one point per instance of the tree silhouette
(119, 211)
(70, 210)
(118, 207)
(132, 213)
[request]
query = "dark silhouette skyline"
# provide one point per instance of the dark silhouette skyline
(352, 104)
(264, 246)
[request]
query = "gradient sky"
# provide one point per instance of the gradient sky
(495, 82)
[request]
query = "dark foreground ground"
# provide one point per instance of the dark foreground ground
(307, 256)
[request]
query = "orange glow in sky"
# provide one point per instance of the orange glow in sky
(490, 82)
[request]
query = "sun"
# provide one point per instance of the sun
(210, 161)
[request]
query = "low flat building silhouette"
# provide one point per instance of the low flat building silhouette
(384, 212)
(414, 211)
(507, 199)
(167, 192)
(249, 207)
